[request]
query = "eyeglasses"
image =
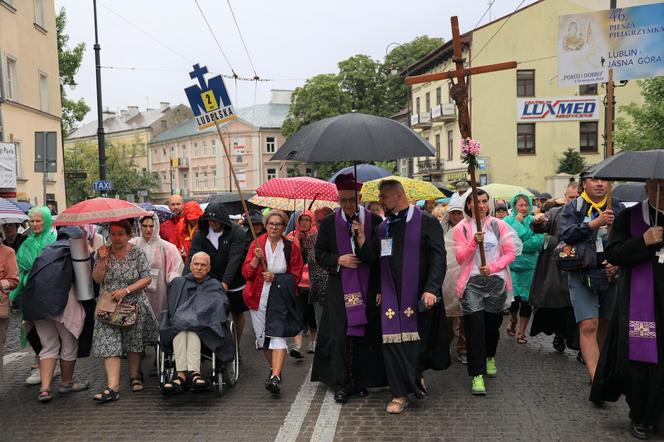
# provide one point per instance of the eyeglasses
(275, 225)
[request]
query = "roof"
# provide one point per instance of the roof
(115, 123)
(261, 116)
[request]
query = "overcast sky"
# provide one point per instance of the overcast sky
(288, 40)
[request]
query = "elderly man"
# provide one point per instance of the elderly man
(197, 314)
(348, 357)
(168, 230)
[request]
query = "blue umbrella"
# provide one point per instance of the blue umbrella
(10, 213)
(162, 213)
(365, 172)
(24, 206)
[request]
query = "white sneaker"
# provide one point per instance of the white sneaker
(34, 378)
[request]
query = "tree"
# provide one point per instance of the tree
(571, 162)
(362, 79)
(645, 128)
(69, 60)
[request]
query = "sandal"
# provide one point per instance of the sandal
(198, 382)
(521, 339)
(511, 328)
(396, 406)
(136, 383)
(73, 387)
(45, 396)
(176, 386)
(106, 395)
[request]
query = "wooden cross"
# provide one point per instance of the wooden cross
(459, 93)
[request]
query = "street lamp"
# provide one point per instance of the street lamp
(100, 115)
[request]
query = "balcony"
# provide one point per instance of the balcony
(180, 163)
(420, 121)
(443, 112)
(430, 166)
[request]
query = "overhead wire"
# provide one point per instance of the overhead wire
(483, 15)
(214, 36)
(246, 50)
(498, 30)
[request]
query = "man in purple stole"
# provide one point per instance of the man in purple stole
(411, 247)
(348, 354)
(632, 360)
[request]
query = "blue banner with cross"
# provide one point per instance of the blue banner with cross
(209, 100)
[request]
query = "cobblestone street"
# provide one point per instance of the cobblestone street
(538, 395)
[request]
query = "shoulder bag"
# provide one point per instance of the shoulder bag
(123, 314)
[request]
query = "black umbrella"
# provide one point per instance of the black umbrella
(229, 197)
(365, 172)
(630, 192)
(631, 166)
(353, 137)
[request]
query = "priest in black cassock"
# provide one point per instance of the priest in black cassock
(348, 354)
(632, 360)
(412, 254)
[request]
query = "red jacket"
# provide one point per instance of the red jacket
(191, 211)
(254, 277)
(168, 230)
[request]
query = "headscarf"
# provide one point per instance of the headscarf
(298, 227)
(148, 247)
(32, 248)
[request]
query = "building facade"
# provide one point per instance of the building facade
(515, 148)
(30, 95)
(192, 163)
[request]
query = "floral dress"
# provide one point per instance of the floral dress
(317, 274)
(114, 341)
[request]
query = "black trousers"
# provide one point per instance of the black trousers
(482, 335)
(522, 307)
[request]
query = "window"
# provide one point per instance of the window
(308, 171)
(214, 148)
(19, 165)
(427, 102)
(194, 152)
(525, 139)
(172, 152)
(271, 173)
(417, 105)
(270, 145)
(437, 146)
(439, 95)
(205, 181)
(196, 180)
(450, 145)
(184, 183)
(215, 179)
(164, 124)
(588, 89)
(525, 83)
(204, 149)
(39, 12)
(12, 79)
(163, 181)
(43, 92)
(163, 154)
(183, 149)
(588, 137)
(290, 172)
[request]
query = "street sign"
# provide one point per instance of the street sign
(209, 101)
(142, 193)
(46, 147)
(77, 175)
(102, 186)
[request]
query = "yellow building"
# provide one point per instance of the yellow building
(514, 150)
(30, 93)
(131, 130)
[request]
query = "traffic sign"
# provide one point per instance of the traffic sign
(142, 193)
(209, 101)
(102, 186)
(77, 175)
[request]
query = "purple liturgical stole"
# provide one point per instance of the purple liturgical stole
(642, 342)
(399, 321)
(354, 282)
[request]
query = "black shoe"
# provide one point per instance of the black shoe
(579, 357)
(273, 385)
(296, 353)
(340, 397)
(640, 431)
(559, 344)
(362, 392)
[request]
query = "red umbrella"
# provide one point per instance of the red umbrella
(98, 210)
(302, 188)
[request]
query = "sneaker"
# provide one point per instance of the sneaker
(34, 378)
(491, 369)
(559, 344)
(463, 358)
(312, 347)
(478, 386)
(296, 353)
(273, 385)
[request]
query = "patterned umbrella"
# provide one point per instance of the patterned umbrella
(10, 213)
(296, 193)
(415, 189)
(163, 213)
(290, 204)
(99, 210)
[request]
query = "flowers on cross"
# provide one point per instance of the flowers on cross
(470, 150)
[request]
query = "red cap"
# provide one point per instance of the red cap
(347, 182)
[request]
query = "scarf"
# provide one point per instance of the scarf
(595, 208)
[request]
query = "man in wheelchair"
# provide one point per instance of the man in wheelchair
(196, 315)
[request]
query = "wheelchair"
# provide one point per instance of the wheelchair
(223, 374)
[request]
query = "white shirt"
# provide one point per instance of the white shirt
(214, 237)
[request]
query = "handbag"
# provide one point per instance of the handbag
(121, 314)
(4, 307)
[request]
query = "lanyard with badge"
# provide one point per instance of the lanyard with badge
(386, 244)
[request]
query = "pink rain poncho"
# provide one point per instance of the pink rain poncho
(165, 265)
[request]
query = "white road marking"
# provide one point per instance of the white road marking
(326, 424)
(15, 356)
(292, 424)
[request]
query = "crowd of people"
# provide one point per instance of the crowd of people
(381, 290)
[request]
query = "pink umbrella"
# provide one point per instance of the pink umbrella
(299, 188)
(98, 210)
